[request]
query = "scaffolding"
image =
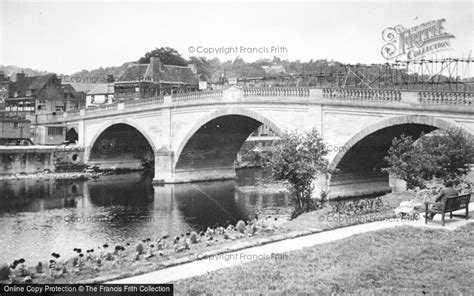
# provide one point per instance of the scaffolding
(426, 74)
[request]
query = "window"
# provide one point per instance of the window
(28, 93)
(59, 108)
(15, 94)
(55, 131)
(16, 125)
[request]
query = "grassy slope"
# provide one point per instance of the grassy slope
(403, 260)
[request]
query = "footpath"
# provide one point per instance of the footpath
(276, 249)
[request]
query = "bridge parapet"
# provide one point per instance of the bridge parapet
(456, 101)
(196, 96)
(446, 98)
(284, 92)
(147, 101)
(362, 94)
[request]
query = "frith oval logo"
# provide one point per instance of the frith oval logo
(415, 42)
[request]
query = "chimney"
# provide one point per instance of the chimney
(57, 80)
(110, 78)
(20, 76)
(193, 68)
(155, 64)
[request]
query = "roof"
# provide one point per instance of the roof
(68, 87)
(178, 74)
(84, 87)
(158, 73)
(29, 83)
(135, 72)
(103, 88)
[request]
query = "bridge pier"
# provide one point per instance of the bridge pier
(164, 167)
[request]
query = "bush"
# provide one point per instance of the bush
(240, 226)
(140, 249)
(298, 159)
(4, 272)
(39, 267)
(443, 154)
(194, 237)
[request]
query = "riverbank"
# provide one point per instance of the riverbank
(53, 176)
(105, 263)
(78, 174)
(400, 260)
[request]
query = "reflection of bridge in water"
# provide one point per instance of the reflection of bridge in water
(196, 136)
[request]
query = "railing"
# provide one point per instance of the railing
(147, 101)
(341, 94)
(362, 94)
(102, 108)
(194, 96)
(446, 98)
(276, 92)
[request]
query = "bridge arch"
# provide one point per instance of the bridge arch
(129, 124)
(387, 123)
(356, 167)
(214, 140)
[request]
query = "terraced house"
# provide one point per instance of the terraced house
(41, 94)
(29, 96)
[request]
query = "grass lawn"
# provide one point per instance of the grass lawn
(402, 260)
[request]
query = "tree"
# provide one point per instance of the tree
(452, 150)
(298, 159)
(444, 154)
(167, 55)
(407, 161)
(203, 66)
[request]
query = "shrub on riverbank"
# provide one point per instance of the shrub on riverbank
(446, 155)
(140, 249)
(194, 237)
(240, 226)
(299, 159)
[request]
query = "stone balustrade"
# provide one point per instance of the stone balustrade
(147, 101)
(102, 108)
(276, 92)
(341, 94)
(362, 94)
(196, 96)
(446, 98)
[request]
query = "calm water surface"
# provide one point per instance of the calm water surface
(38, 217)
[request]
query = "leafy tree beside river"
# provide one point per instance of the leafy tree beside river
(299, 159)
(442, 154)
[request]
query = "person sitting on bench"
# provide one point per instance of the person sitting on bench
(440, 200)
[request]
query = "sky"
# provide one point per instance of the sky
(67, 36)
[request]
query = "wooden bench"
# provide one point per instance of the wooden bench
(452, 204)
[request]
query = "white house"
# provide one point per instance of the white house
(100, 94)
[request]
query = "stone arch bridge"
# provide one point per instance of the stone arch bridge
(196, 136)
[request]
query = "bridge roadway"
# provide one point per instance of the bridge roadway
(196, 136)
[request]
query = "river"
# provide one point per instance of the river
(38, 217)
